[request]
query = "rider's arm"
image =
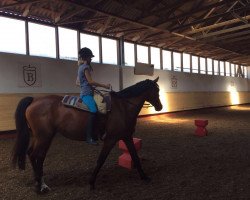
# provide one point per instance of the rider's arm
(92, 82)
(77, 81)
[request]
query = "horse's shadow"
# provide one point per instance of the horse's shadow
(57, 178)
(80, 177)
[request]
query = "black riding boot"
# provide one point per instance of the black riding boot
(90, 129)
(102, 119)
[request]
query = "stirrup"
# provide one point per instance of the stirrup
(102, 137)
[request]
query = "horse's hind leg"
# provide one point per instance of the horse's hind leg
(133, 153)
(37, 153)
(107, 147)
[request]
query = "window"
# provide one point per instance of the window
(186, 62)
(237, 70)
(166, 57)
(109, 51)
(245, 72)
(42, 40)
(12, 36)
(202, 65)
(195, 64)
(216, 67)
(68, 44)
(222, 68)
(242, 71)
(227, 68)
(232, 69)
(92, 42)
(155, 57)
(129, 54)
(177, 61)
(209, 66)
(142, 54)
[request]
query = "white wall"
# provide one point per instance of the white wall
(187, 82)
(58, 76)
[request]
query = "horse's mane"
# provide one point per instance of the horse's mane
(135, 90)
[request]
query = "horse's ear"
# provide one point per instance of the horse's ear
(156, 79)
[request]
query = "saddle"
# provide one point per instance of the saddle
(103, 102)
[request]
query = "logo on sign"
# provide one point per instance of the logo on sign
(29, 75)
(174, 82)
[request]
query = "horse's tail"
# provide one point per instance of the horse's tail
(22, 141)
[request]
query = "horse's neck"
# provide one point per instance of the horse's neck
(135, 105)
(128, 109)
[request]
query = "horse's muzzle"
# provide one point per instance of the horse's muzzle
(158, 107)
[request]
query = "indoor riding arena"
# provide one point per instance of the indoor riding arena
(180, 69)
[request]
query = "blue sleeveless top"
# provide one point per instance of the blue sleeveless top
(86, 88)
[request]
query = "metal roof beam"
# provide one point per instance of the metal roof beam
(228, 36)
(70, 15)
(237, 39)
(125, 19)
(230, 8)
(209, 19)
(170, 9)
(195, 11)
(83, 20)
(224, 31)
(19, 4)
(225, 23)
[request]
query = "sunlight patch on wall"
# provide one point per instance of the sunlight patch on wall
(234, 95)
(164, 102)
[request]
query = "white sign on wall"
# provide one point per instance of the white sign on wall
(232, 83)
(29, 75)
(174, 82)
(143, 69)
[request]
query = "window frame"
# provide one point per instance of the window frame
(25, 52)
(159, 57)
(59, 50)
(55, 40)
(186, 69)
(164, 59)
(175, 67)
(194, 70)
(139, 45)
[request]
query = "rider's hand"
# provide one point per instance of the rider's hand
(108, 86)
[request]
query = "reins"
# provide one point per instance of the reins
(99, 91)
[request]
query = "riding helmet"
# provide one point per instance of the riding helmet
(85, 53)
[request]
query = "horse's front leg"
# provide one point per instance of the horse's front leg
(133, 153)
(107, 146)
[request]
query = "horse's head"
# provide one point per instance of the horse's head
(153, 96)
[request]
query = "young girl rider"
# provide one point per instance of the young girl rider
(86, 83)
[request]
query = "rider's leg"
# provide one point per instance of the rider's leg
(90, 102)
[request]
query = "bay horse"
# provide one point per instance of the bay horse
(39, 119)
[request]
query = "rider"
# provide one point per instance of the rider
(85, 81)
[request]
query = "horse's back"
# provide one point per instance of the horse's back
(42, 105)
(48, 114)
(41, 110)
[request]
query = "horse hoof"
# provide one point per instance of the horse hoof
(44, 189)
